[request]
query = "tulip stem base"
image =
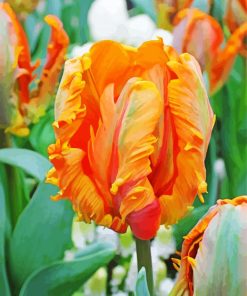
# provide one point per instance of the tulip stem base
(144, 259)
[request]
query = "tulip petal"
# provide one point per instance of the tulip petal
(223, 61)
(193, 121)
(56, 51)
(22, 51)
(74, 184)
(119, 153)
(221, 262)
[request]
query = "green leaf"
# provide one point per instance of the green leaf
(41, 235)
(65, 277)
(42, 134)
(31, 162)
(147, 6)
(184, 226)
(4, 285)
(141, 284)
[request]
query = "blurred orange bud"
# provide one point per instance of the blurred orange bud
(201, 35)
(235, 13)
(17, 71)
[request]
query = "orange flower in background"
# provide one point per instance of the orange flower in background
(235, 16)
(201, 35)
(235, 13)
(26, 105)
(132, 128)
(213, 258)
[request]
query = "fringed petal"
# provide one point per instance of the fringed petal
(119, 152)
(69, 109)
(23, 56)
(193, 122)
(74, 184)
(56, 51)
(223, 61)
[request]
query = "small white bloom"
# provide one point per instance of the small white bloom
(219, 168)
(166, 287)
(80, 50)
(96, 285)
(139, 29)
(104, 234)
(118, 274)
(126, 243)
(165, 35)
(164, 243)
(82, 233)
(105, 17)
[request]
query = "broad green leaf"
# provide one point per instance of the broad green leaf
(31, 162)
(234, 128)
(147, 7)
(41, 235)
(42, 134)
(18, 196)
(4, 285)
(184, 225)
(65, 277)
(141, 284)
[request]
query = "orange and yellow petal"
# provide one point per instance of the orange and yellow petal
(56, 51)
(23, 57)
(224, 60)
(193, 128)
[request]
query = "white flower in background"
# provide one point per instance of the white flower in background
(159, 272)
(126, 244)
(118, 274)
(79, 50)
(104, 234)
(166, 286)
(96, 285)
(164, 243)
(82, 234)
(219, 168)
(108, 19)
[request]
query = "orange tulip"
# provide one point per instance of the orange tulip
(235, 13)
(132, 128)
(213, 257)
(201, 35)
(27, 106)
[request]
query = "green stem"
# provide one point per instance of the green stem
(144, 259)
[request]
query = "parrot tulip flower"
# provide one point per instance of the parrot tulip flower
(201, 35)
(27, 106)
(132, 128)
(213, 258)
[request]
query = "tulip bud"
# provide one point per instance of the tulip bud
(213, 259)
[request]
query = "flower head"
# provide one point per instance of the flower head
(213, 258)
(201, 35)
(132, 128)
(28, 105)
